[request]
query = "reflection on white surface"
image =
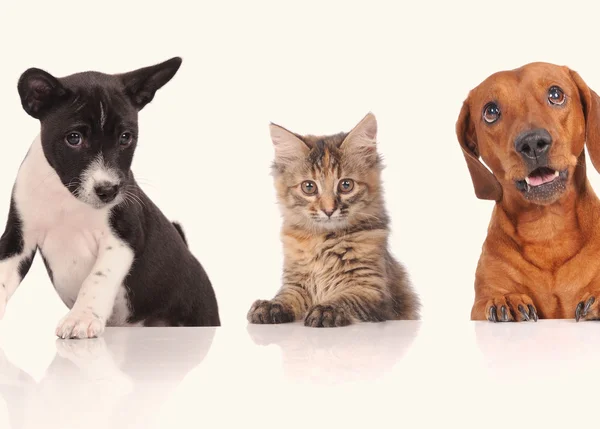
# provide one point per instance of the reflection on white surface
(552, 365)
(15, 388)
(393, 374)
(324, 356)
(119, 380)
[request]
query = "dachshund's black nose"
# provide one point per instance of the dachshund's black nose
(533, 145)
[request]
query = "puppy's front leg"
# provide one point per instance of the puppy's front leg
(17, 249)
(96, 298)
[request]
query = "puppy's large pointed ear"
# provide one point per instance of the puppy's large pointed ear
(142, 84)
(485, 183)
(591, 111)
(39, 92)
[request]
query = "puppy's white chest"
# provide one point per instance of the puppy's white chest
(70, 235)
(70, 253)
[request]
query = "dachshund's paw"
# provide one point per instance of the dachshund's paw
(511, 308)
(267, 312)
(588, 308)
(326, 316)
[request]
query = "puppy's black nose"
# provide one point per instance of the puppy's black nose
(534, 145)
(106, 193)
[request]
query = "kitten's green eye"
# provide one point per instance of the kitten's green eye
(309, 187)
(346, 185)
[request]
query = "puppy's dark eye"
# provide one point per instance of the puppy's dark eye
(556, 96)
(74, 138)
(309, 187)
(491, 113)
(125, 139)
(346, 185)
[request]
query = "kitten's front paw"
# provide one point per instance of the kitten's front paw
(80, 324)
(326, 316)
(264, 312)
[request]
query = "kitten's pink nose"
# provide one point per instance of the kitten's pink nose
(328, 212)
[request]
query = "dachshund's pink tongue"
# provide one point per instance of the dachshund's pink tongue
(538, 178)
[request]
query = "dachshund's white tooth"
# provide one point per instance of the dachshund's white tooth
(556, 173)
(527, 180)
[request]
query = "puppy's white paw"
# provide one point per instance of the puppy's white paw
(80, 324)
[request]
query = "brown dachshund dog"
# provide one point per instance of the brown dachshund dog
(541, 257)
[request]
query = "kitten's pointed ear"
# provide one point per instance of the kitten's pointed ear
(363, 137)
(39, 92)
(287, 145)
(142, 84)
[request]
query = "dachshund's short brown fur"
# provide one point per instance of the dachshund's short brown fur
(541, 257)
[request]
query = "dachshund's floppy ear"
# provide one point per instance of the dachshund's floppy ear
(591, 110)
(485, 183)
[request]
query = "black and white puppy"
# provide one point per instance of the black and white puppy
(111, 254)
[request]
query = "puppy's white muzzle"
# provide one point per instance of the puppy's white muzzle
(100, 184)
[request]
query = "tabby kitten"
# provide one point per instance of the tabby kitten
(337, 266)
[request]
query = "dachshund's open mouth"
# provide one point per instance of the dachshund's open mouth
(543, 184)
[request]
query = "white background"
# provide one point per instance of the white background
(313, 67)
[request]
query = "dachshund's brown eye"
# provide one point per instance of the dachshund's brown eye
(346, 185)
(491, 113)
(556, 96)
(309, 187)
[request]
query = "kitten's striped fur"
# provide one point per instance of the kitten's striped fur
(338, 269)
